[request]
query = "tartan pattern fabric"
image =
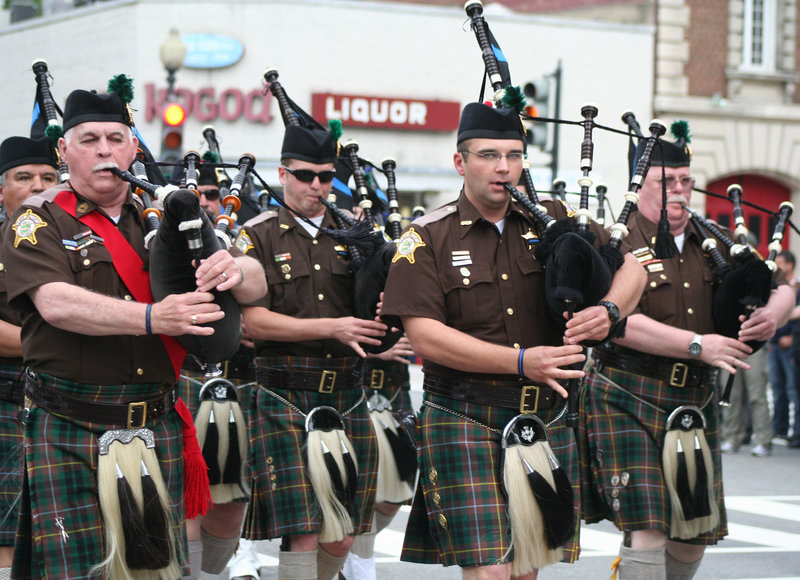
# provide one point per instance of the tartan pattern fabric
(61, 534)
(282, 500)
(459, 516)
(621, 435)
(10, 459)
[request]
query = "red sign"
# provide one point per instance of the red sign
(206, 104)
(386, 112)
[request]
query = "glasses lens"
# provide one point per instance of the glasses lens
(326, 176)
(211, 194)
(307, 176)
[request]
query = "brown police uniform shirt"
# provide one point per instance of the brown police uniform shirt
(46, 245)
(7, 314)
(308, 277)
(679, 290)
(454, 266)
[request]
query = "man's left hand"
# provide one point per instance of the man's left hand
(592, 323)
(218, 271)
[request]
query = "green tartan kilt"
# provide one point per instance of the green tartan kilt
(282, 500)
(60, 533)
(10, 470)
(621, 441)
(459, 515)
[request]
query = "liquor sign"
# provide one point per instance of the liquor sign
(386, 112)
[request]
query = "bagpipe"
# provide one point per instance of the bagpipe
(370, 252)
(743, 283)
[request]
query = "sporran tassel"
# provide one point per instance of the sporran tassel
(689, 476)
(140, 542)
(331, 462)
(540, 507)
(393, 485)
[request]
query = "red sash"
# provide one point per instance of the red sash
(127, 263)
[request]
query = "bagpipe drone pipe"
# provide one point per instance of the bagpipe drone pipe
(370, 252)
(45, 115)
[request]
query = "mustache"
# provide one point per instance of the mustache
(105, 165)
(677, 199)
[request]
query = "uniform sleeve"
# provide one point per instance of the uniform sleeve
(413, 288)
(34, 255)
(248, 243)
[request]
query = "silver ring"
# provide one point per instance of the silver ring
(224, 275)
(194, 319)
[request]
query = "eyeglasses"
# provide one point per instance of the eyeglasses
(211, 194)
(686, 182)
(495, 157)
(307, 176)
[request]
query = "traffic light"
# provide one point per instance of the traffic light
(537, 92)
(173, 117)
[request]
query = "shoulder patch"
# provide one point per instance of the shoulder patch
(407, 245)
(243, 242)
(436, 214)
(25, 227)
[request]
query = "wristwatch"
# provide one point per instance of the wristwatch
(613, 310)
(696, 346)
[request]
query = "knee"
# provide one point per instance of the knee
(685, 553)
(386, 508)
(339, 548)
(650, 539)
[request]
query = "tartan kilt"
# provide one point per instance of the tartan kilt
(60, 485)
(282, 501)
(11, 465)
(621, 435)
(459, 514)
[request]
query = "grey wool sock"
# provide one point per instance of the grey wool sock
(677, 570)
(297, 565)
(642, 564)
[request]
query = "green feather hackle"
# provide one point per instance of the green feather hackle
(211, 157)
(54, 133)
(680, 130)
(123, 86)
(514, 99)
(336, 128)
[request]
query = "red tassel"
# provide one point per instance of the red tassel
(196, 489)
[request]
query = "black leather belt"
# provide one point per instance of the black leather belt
(526, 398)
(132, 415)
(12, 391)
(377, 378)
(678, 373)
(320, 381)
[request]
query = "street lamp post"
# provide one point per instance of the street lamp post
(172, 52)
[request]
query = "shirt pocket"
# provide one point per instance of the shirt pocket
(93, 267)
(659, 300)
(284, 278)
(471, 300)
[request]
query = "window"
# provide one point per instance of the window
(759, 44)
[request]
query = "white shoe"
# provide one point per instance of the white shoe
(728, 447)
(356, 568)
(761, 451)
(244, 562)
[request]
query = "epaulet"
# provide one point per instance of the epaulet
(436, 215)
(262, 217)
(47, 196)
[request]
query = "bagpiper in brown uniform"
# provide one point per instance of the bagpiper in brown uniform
(27, 167)
(97, 363)
(470, 295)
(663, 371)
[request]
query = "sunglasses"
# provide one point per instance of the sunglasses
(211, 194)
(307, 176)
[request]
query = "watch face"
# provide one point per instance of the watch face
(695, 349)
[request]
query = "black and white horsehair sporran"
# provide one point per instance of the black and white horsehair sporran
(539, 494)
(397, 455)
(140, 542)
(332, 468)
(689, 474)
(222, 435)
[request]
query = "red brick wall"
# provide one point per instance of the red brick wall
(708, 47)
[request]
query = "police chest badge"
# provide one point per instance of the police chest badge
(407, 245)
(244, 243)
(25, 227)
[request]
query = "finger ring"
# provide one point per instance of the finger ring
(224, 275)
(194, 319)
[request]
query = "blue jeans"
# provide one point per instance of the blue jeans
(782, 379)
